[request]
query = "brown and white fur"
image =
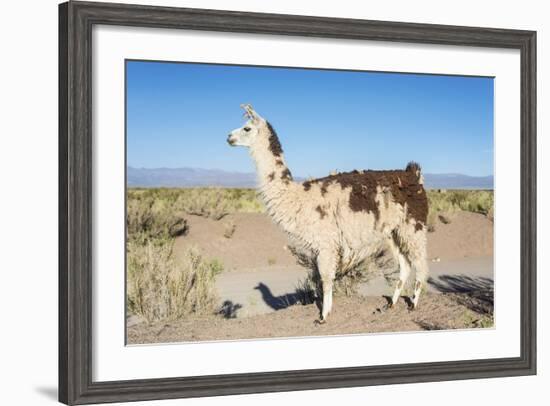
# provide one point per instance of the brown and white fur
(342, 219)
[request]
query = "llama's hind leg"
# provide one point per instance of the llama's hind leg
(404, 272)
(420, 266)
(413, 244)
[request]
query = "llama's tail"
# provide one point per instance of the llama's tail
(414, 168)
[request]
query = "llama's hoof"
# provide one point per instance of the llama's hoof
(320, 322)
(389, 304)
(409, 303)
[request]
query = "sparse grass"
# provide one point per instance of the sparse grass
(474, 320)
(271, 261)
(444, 202)
(208, 202)
(477, 201)
(486, 321)
(160, 287)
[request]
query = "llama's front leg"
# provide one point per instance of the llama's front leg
(327, 298)
(411, 251)
(327, 270)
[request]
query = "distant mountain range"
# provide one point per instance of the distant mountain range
(188, 177)
(194, 177)
(457, 181)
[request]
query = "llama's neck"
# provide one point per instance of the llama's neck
(274, 177)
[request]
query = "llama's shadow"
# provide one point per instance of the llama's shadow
(461, 284)
(476, 293)
(278, 302)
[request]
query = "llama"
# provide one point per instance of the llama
(342, 219)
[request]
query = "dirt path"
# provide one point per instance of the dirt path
(270, 289)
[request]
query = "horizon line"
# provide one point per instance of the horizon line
(246, 173)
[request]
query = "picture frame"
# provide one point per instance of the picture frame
(76, 20)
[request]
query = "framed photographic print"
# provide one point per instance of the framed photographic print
(258, 202)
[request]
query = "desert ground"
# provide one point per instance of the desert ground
(257, 295)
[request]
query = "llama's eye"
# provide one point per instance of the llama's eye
(247, 129)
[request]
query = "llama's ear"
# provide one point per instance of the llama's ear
(250, 113)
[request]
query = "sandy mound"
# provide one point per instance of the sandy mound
(257, 242)
(466, 235)
(354, 315)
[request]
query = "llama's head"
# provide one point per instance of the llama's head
(248, 133)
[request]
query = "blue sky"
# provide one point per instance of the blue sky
(179, 115)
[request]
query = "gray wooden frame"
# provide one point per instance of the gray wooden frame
(76, 20)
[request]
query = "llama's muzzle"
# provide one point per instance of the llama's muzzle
(229, 140)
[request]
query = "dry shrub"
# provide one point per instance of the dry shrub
(147, 218)
(309, 289)
(161, 287)
(204, 202)
(381, 263)
(346, 283)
